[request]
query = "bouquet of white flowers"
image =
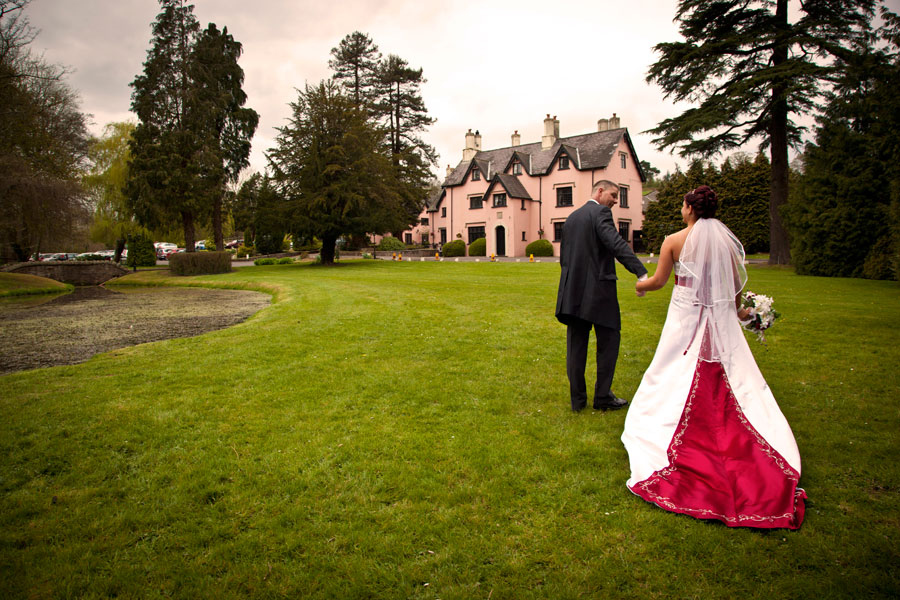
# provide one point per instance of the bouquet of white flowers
(762, 315)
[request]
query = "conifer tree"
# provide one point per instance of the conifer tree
(330, 165)
(355, 64)
(747, 69)
(217, 113)
(165, 173)
(843, 216)
(403, 110)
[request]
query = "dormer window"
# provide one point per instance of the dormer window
(517, 168)
(476, 175)
(563, 162)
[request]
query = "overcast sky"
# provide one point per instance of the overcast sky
(492, 65)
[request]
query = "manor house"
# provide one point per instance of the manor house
(515, 195)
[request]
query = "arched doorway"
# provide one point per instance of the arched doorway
(501, 240)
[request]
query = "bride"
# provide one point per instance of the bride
(704, 434)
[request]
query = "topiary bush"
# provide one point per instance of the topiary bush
(287, 260)
(141, 252)
(390, 244)
(261, 262)
(539, 248)
(478, 247)
(200, 263)
(455, 248)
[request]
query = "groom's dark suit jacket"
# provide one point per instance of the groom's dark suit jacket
(587, 284)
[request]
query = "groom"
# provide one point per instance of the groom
(587, 293)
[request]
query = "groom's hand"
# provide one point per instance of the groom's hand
(640, 279)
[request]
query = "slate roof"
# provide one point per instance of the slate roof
(594, 149)
(510, 183)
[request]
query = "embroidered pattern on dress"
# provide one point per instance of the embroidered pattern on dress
(672, 453)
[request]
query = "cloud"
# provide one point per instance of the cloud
(491, 65)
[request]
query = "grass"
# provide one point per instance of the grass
(19, 284)
(402, 430)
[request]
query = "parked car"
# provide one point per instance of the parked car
(234, 243)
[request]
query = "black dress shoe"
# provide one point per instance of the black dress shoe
(611, 403)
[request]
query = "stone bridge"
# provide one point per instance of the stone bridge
(75, 272)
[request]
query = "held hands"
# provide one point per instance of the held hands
(637, 290)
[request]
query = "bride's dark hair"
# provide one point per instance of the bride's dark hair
(704, 202)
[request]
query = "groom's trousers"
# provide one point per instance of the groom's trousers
(578, 333)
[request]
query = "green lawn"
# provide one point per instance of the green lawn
(19, 284)
(402, 430)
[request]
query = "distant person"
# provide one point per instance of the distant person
(704, 434)
(587, 294)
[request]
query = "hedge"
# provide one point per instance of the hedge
(141, 252)
(200, 263)
(539, 248)
(478, 247)
(455, 248)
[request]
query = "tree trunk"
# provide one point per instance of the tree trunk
(779, 242)
(120, 246)
(187, 219)
(327, 253)
(217, 224)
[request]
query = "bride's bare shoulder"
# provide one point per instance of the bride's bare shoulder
(675, 242)
(677, 237)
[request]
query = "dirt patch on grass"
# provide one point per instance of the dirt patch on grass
(69, 329)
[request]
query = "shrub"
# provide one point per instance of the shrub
(879, 263)
(455, 248)
(391, 243)
(245, 251)
(287, 260)
(92, 257)
(141, 252)
(478, 247)
(260, 262)
(200, 263)
(539, 248)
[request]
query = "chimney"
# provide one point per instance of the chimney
(477, 140)
(449, 170)
(470, 150)
(603, 125)
(614, 122)
(516, 138)
(551, 130)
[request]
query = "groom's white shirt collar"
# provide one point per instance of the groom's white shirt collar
(592, 200)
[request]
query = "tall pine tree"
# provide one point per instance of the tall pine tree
(747, 69)
(218, 116)
(844, 215)
(330, 165)
(403, 110)
(355, 64)
(165, 170)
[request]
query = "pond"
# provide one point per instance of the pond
(43, 331)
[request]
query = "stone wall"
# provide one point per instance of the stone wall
(76, 272)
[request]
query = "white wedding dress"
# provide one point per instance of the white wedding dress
(704, 434)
